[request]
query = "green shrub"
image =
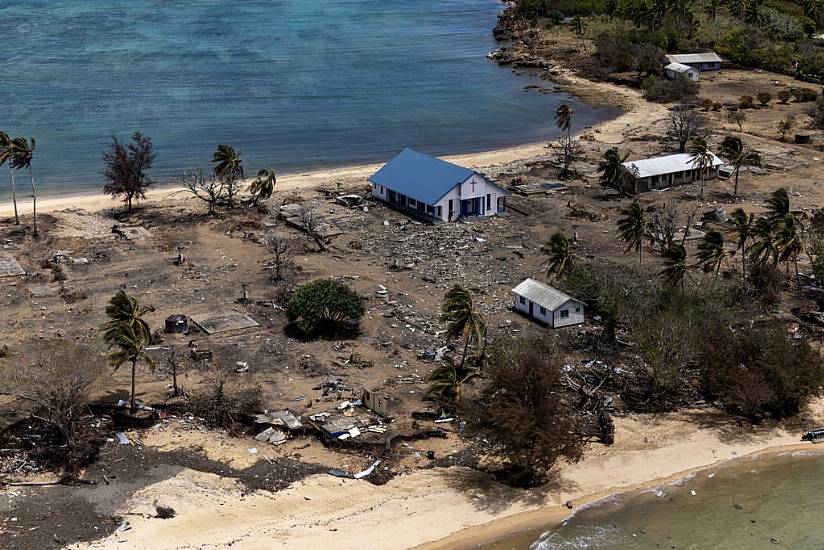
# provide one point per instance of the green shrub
(804, 94)
(324, 306)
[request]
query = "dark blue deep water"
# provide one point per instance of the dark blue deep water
(293, 83)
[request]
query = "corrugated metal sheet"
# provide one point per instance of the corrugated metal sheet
(666, 165)
(686, 58)
(541, 294)
(419, 176)
(679, 67)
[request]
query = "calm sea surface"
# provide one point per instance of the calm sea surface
(293, 83)
(762, 503)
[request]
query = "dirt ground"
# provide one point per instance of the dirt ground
(376, 249)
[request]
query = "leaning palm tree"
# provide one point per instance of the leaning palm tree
(463, 319)
(447, 380)
(702, 159)
(711, 252)
(127, 334)
(563, 118)
(5, 156)
(560, 256)
(675, 264)
(733, 149)
(742, 230)
(263, 186)
(778, 206)
(614, 174)
(632, 227)
(764, 242)
(228, 169)
(22, 153)
(788, 242)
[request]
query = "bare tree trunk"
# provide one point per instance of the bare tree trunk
(735, 190)
(34, 200)
(134, 376)
(14, 197)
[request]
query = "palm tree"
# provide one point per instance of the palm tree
(263, 186)
(743, 229)
(563, 118)
(228, 168)
(127, 333)
(560, 257)
(22, 153)
(711, 252)
(788, 242)
(763, 246)
(675, 264)
(632, 227)
(701, 158)
(613, 172)
(447, 380)
(778, 206)
(463, 319)
(733, 149)
(5, 156)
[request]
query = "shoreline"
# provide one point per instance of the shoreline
(437, 509)
(606, 131)
(533, 524)
(95, 200)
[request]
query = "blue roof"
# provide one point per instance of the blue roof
(421, 177)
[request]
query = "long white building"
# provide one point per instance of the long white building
(668, 171)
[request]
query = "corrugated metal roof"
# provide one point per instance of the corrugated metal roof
(680, 67)
(419, 176)
(707, 57)
(541, 294)
(666, 165)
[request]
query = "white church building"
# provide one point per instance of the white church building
(435, 190)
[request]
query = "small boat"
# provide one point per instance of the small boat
(815, 436)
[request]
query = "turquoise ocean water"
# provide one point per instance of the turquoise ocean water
(293, 83)
(752, 503)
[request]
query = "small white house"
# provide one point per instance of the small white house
(435, 190)
(674, 69)
(668, 171)
(707, 61)
(547, 305)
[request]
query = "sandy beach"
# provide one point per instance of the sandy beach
(440, 509)
(636, 111)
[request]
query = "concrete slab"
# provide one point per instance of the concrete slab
(131, 233)
(217, 323)
(9, 266)
(43, 291)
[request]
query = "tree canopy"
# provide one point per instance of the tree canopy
(324, 306)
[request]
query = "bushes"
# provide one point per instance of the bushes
(802, 95)
(746, 102)
(58, 380)
(223, 401)
(665, 90)
(324, 307)
(784, 96)
(523, 413)
(757, 371)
